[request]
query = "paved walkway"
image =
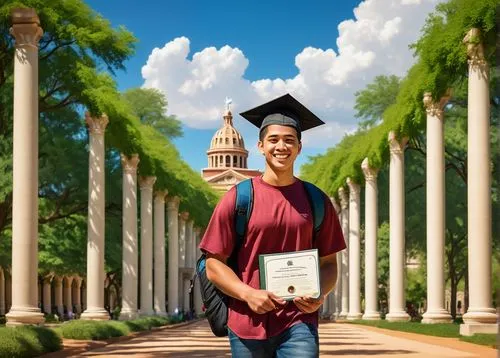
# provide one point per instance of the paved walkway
(196, 340)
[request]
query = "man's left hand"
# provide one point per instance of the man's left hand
(308, 304)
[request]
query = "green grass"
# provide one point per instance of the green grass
(28, 341)
(100, 330)
(490, 340)
(449, 330)
(93, 330)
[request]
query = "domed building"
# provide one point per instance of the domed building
(227, 157)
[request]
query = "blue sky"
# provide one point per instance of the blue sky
(255, 51)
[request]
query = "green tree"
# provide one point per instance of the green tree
(150, 105)
(370, 106)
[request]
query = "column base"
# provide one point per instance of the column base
(343, 315)
(128, 315)
(18, 317)
(161, 314)
(354, 316)
(146, 313)
(436, 316)
(468, 329)
(95, 315)
(401, 316)
(371, 316)
(480, 316)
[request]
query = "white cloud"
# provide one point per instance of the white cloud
(374, 42)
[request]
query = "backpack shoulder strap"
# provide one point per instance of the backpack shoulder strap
(243, 210)
(317, 201)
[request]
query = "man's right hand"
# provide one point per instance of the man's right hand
(262, 301)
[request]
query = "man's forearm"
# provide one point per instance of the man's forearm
(328, 275)
(225, 279)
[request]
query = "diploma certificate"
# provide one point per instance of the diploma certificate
(291, 274)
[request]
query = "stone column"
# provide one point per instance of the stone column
(2, 292)
(58, 296)
(76, 293)
(397, 310)
(159, 253)
(95, 231)
(198, 303)
(27, 32)
(130, 267)
(173, 254)
(354, 251)
(46, 292)
(481, 316)
(338, 286)
(344, 204)
(146, 184)
(67, 293)
(186, 283)
(371, 226)
(435, 211)
(190, 244)
(183, 217)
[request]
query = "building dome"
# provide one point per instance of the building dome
(227, 137)
(227, 148)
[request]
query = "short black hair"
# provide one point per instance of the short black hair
(263, 132)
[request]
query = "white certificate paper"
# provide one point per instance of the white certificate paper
(291, 274)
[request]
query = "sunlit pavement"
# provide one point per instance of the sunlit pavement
(196, 340)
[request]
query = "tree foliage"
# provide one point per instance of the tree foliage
(79, 54)
(150, 106)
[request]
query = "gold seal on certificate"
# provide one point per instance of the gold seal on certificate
(291, 274)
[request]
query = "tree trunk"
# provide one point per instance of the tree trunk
(453, 299)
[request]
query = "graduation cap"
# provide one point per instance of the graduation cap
(284, 111)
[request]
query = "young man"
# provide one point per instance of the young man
(261, 324)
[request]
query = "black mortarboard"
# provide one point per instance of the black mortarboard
(285, 111)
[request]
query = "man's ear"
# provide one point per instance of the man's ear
(260, 146)
(300, 148)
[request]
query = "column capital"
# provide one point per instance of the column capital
(435, 109)
(475, 50)
(48, 278)
(78, 280)
(57, 280)
(197, 230)
(96, 125)
(184, 216)
(160, 195)
(396, 146)
(26, 27)
(344, 200)
(335, 204)
(129, 164)
(146, 183)
(354, 187)
(369, 172)
(173, 203)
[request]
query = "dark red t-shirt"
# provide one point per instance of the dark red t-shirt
(281, 221)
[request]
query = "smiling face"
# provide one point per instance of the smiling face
(280, 146)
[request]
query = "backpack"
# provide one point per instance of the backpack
(214, 300)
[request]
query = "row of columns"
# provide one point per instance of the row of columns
(182, 242)
(27, 32)
(481, 316)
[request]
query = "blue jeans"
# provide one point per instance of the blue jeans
(300, 340)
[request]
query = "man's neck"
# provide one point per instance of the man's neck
(278, 178)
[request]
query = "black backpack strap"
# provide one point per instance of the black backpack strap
(317, 202)
(242, 211)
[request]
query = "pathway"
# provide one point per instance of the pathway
(346, 340)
